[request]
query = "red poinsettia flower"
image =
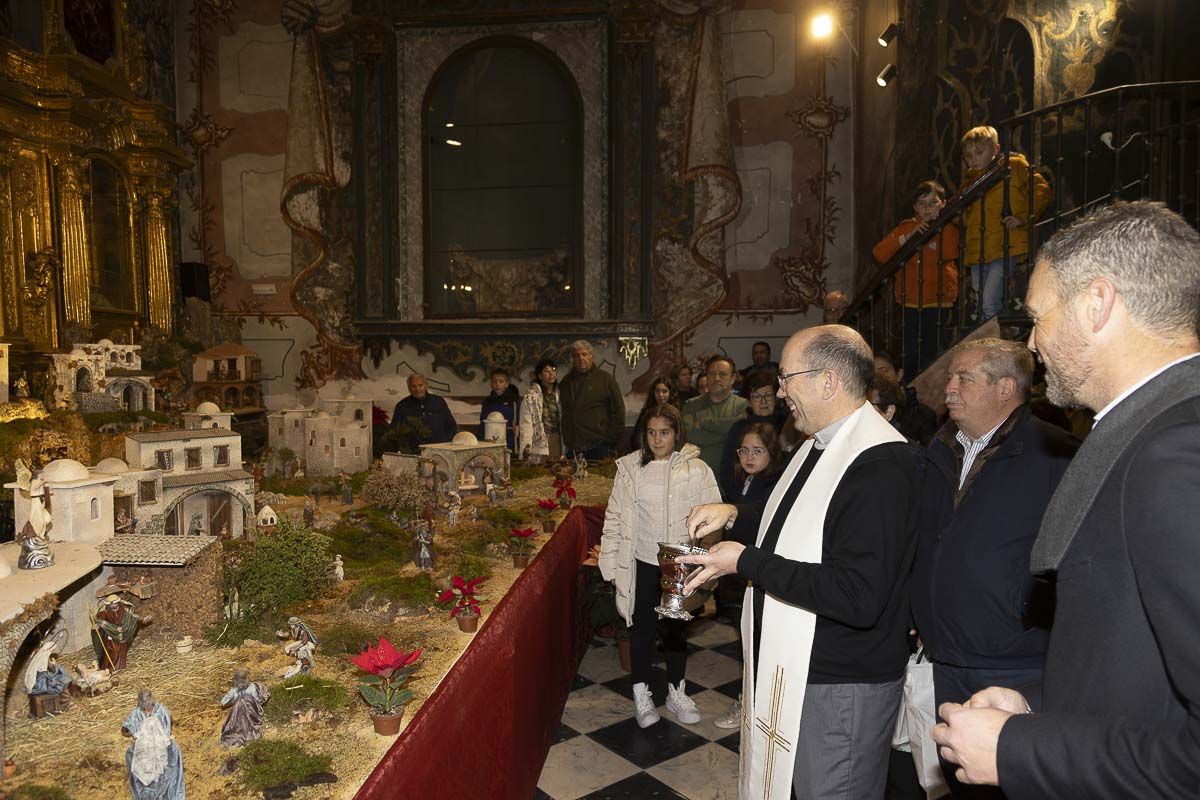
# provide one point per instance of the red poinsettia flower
(384, 659)
(563, 486)
(521, 533)
(547, 504)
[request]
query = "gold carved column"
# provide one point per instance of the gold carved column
(76, 252)
(156, 201)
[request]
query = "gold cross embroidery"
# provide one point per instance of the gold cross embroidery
(770, 729)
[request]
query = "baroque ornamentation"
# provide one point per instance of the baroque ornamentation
(633, 349)
(463, 357)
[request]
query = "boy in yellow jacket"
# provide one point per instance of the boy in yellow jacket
(984, 244)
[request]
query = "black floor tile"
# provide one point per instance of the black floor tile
(731, 689)
(563, 733)
(636, 787)
(538, 794)
(658, 686)
(580, 682)
(731, 649)
(645, 747)
(732, 741)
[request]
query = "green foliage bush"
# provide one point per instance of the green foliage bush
(270, 762)
(527, 473)
(406, 590)
(292, 487)
(504, 519)
(370, 543)
(470, 565)
(346, 638)
(282, 568)
(303, 692)
(231, 633)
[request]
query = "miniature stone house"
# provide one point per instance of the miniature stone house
(207, 415)
(334, 436)
(185, 571)
(137, 497)
(229, 375)
(81, 502)
(102, 377)
(267, 519)
(464, 461)
(204, 488)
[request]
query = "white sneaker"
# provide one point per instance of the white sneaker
(733, 719)
(643, 704)
(679, 704)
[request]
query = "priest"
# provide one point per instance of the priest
(824, 624)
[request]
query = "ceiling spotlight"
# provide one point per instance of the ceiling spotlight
(457, 143)
(822, 26)
(451, 124)
(889, 34)
(885, 77)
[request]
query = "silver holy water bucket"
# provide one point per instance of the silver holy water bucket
(674, 576)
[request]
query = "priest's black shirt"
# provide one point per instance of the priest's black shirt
(859, 591)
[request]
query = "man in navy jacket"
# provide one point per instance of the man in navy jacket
(991, 471)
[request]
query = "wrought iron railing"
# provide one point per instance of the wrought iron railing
(1131, 142)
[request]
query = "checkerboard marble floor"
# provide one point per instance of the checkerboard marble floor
(600, 753)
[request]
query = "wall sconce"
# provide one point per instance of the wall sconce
(885, 77)
(889, 34)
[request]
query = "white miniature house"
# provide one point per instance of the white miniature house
(333, 437)
(464, 462)
(102, 377)
(207, 415)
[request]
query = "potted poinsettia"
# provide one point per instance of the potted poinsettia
(520, 545)
(383, 687)
(564, 491)
(465, 598)
(546, 508)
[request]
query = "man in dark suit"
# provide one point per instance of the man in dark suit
(427, 413)
(1115, 301)
(991, 471)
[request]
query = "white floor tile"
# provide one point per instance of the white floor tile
(601, 664)
(709, 669)
(580, 766)
(706, 773)
(594, 707)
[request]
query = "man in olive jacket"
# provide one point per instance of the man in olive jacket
(593, 409)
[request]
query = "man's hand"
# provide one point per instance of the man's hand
(708, 518)
(969, 737)
(721, 560)
(1009, 700)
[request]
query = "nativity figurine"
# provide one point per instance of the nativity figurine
(245, 701)
(302, 646)
(153, 762)
(46, 681)
(339, 569)
(347, 489)
(423, 546)
(114, 627)
(34, 537)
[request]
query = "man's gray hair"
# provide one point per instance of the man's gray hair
(1001, 359)
(145, 698)
(842, 350)
(581, 344)
(1148, 252)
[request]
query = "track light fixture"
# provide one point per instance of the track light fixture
(889, 34)
(885, 77)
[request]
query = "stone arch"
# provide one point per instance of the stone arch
(358, 415)
(83, 380)
(232, 398)
(248, 517)
(250, 396)
(127, 397)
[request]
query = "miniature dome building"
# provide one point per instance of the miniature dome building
(111, 466)
(207, 415)
(335, 436)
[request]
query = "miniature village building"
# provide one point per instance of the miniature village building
(205, 491)
(461, 465)
(229, 375)
(333, 437)
(101, 377)
(267, 519)
(207, 415)
(184, 571)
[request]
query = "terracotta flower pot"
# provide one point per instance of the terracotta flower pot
(548, 526)
(520, 561)
(623, 654)
(388, 724)
(467, 624)
(564, 502)
(10, 768)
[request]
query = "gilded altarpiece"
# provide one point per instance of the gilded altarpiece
(87, 173)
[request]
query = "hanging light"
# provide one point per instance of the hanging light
(889, 34)
(885, 77)
(822, 25)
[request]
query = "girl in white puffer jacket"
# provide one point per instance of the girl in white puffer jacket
(655, 489)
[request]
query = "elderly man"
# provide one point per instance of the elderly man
(593, 409)
(991, 471)
(826, 646)
(427, 413)
(709, 417)
(1115, 300)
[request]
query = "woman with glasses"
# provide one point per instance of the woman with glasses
(764, 408)
(760, 463)
(538, 435)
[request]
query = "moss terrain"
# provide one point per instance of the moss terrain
(271, 762)
(402, 590)
(302, 693)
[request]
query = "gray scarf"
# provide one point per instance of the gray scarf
(1089, 470)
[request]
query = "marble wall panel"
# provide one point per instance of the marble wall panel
(763, 226)
(254, 68)
(760, 52)
(255, 234)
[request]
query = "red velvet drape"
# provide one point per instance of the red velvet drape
(486, 729)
